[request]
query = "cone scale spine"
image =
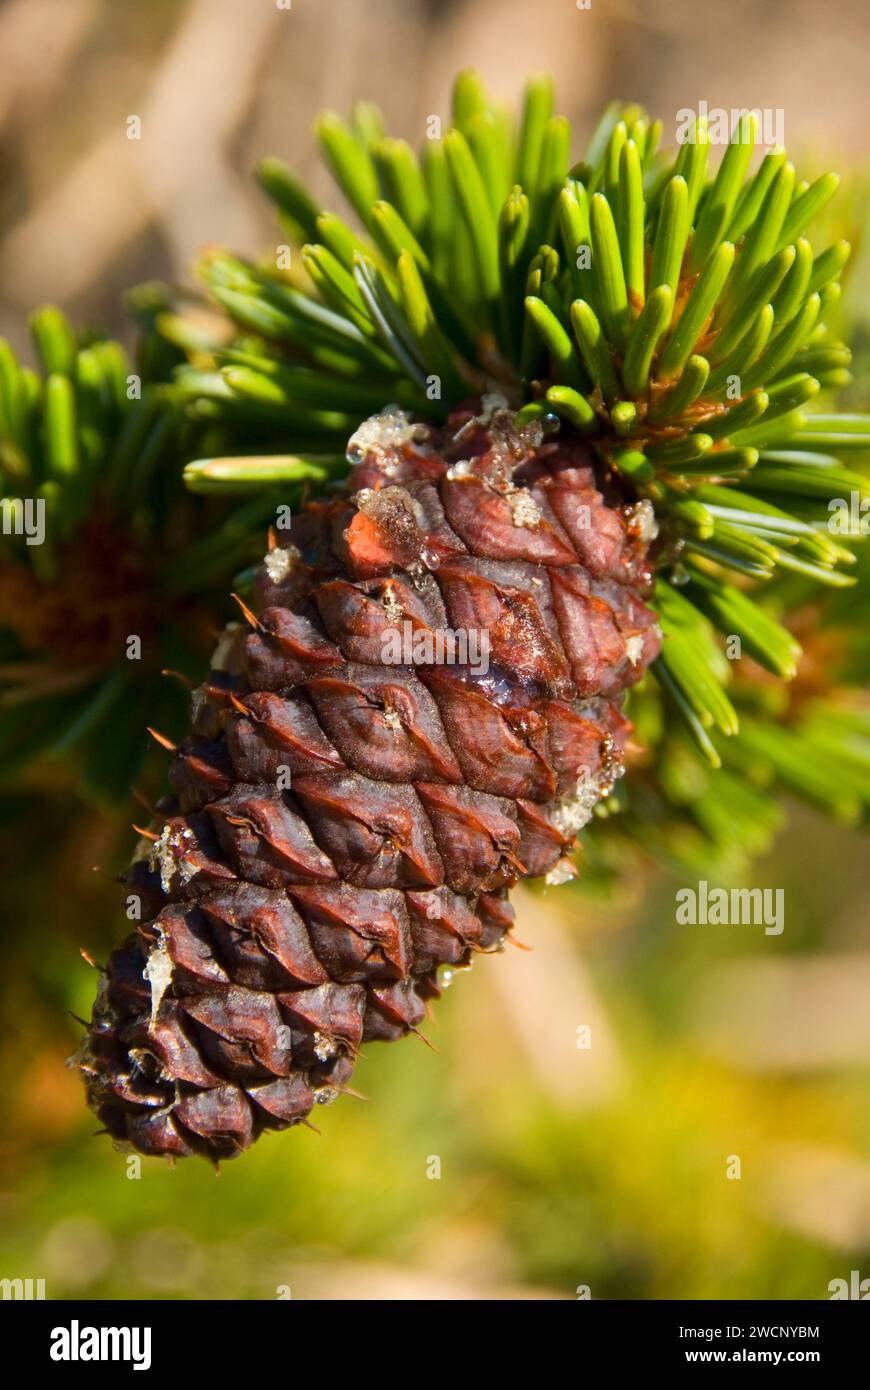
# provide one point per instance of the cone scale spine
(340, 828)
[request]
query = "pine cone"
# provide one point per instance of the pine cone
(353, 805)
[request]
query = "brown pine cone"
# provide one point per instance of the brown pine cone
(424, 709)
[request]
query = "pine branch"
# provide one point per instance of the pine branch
(675, 317)
(102, 545)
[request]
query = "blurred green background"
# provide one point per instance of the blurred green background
(560, 1165)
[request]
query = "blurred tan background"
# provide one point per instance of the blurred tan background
(84, 211)
(561, 1166)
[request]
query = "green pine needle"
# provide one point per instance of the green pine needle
(669, 310)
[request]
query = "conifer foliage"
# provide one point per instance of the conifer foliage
(577, 407)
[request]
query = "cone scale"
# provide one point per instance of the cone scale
(422, 707)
